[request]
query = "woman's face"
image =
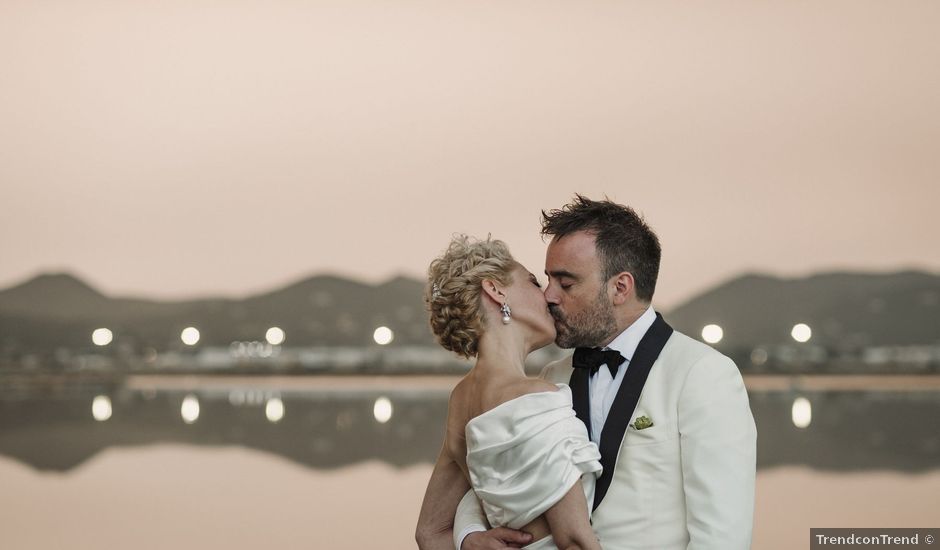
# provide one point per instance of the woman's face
(529, 308)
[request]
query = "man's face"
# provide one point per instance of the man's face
(577, 293)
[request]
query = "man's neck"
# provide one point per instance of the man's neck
(625, 320)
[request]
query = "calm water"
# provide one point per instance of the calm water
(368, 435)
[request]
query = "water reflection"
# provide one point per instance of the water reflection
(382, 410)
(759, 356)
(274, 409)
(101, 408)
(190, 409)
(236, 398)
(801, 412)
(329, 428)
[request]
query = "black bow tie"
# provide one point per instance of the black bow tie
(593, 358)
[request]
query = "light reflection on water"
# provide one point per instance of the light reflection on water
(274, 409)
(802, 412)
(194, 438)
(101, 408)
(189, 410)
(382, 410)
(325, 428)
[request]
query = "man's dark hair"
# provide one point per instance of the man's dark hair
(624, 241)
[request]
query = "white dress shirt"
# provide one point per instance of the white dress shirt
(603, 388)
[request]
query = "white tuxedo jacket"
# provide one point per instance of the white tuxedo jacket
(686, 482)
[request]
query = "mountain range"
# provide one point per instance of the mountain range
(846, 311)
(59, 310)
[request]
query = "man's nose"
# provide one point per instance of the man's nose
(551, 294)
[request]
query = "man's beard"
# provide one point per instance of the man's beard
(590, 328)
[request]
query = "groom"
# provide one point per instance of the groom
(669, 413)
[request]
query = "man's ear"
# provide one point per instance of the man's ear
(494, 291)
(624, 287)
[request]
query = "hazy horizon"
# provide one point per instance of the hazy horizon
(263, 289)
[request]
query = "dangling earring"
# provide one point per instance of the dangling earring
(507, 313)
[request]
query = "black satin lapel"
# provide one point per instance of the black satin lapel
(621, 410)
(581, 400)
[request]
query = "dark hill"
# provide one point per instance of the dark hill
(52, 311)
(845, 310)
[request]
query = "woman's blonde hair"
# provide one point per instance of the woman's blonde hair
(455, 287)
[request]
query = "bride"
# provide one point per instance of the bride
(514, 440)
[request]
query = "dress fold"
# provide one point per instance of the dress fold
(524, 455)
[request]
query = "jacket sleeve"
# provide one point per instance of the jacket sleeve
(718, 441)
(469, 518)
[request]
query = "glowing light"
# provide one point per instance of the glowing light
(274, 336)
(802, 412)
(101, 337)
(382, 410)
(101, 408)
(190, 409)
(801, 332)
(190, 336)
(274, 409)
(383, 336)
(712, 334)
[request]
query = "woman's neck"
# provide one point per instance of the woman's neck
(502, 351)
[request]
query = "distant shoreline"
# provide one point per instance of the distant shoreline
(754, 382)
(185, 381)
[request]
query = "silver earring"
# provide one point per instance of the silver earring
(507, 313)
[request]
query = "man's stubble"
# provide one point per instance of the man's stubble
(590, 328)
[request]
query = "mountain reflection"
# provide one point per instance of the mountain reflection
(323, 429)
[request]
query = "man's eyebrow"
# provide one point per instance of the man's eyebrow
(561, 273)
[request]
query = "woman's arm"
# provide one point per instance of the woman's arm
(445, 489)
(569, 522)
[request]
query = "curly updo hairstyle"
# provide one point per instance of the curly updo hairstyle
(455, 287)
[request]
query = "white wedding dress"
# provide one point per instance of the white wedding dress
(525, 454)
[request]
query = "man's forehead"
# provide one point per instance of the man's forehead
(571, 253)
(578, 243)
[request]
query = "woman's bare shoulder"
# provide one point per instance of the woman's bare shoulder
(525, 386)
(459, 395)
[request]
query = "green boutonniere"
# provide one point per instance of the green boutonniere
(641, 423)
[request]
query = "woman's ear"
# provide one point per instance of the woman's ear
(494, 290)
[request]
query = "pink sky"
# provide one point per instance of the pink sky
(181, 148)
